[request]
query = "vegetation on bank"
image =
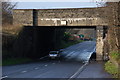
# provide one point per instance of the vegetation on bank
(9, 35)
(112, 69)
(113, 39)
(115, 55)
(113, 47)
(110, 66)
(12, 61)
(11, 29)
(66, 42)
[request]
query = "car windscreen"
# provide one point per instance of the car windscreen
(53, 53)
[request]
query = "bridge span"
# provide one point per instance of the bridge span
(72, 17)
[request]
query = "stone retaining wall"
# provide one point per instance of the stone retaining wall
(23, 17)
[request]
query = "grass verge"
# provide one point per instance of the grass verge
(112, 69)
(14, 61)
(115, 55)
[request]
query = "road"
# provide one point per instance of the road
(70, 64)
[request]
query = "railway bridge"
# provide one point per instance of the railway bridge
(72, 17)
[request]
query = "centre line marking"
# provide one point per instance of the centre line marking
(24, 71)
(36, 68)
(46, 65)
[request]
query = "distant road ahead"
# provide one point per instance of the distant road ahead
(81, 51)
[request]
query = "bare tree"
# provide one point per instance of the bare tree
(7, 8)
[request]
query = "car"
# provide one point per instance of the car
(54, 54)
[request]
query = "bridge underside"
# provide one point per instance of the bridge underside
(40, 39)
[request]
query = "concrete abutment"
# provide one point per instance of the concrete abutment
(99, 42)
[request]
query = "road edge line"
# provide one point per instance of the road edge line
(3, 77)
(78, 72)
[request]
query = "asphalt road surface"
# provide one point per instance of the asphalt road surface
(73, 59)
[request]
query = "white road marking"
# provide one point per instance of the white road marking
(43, 57)
(46, 65)
(23, 71)
(94, 49)
(36, 68)
(70, 54)
(78, 72)
(4, 77)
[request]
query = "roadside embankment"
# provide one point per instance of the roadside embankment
(112, 66)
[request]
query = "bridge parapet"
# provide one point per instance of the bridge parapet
(54, 17)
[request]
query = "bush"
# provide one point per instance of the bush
(112, 69)
(66, 36)
(11, 29)
(115, 55)
(13, 61)
(9, 36)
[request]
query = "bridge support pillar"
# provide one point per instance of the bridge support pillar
(99, 43)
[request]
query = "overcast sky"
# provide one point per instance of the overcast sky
(48, 5)
(53, 0)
